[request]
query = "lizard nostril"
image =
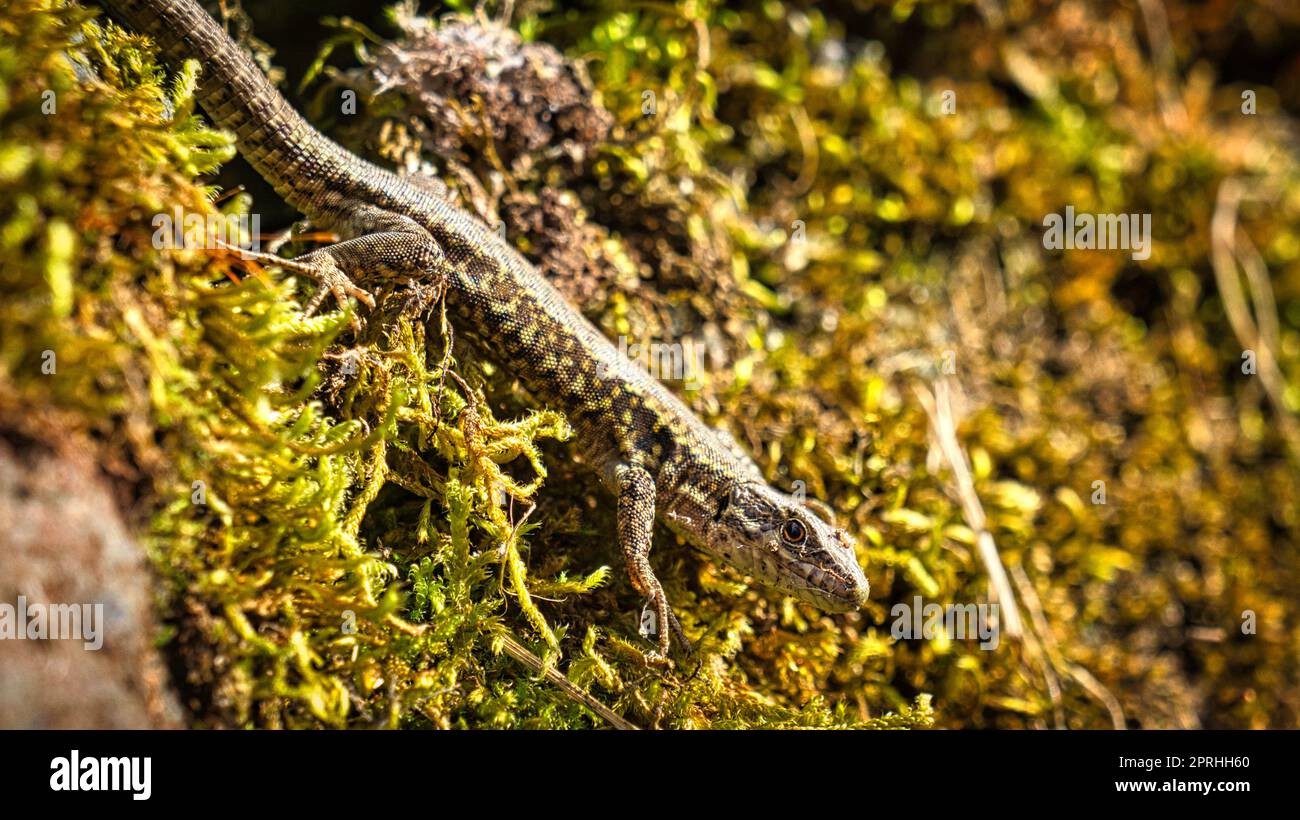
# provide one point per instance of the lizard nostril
(861, 594)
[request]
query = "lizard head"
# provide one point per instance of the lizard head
(777, 539)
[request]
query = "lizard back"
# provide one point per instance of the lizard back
(507, 309)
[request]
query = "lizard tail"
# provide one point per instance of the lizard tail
(276, 140)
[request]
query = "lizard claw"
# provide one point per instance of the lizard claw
(319, 265)
(681, 635)
(337, 284)
(667, 627)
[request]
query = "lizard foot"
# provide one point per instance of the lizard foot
(321, 267)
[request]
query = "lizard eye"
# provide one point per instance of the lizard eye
(793, 532)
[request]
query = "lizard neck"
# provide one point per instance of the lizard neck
(693, 483)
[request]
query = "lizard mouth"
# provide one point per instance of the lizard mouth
(829, 589)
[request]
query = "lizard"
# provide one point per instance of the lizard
(650, 451)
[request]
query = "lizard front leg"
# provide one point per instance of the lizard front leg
(403, 255)
(396, 248)
(636, 516)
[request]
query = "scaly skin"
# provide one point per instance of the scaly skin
(649, 449)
